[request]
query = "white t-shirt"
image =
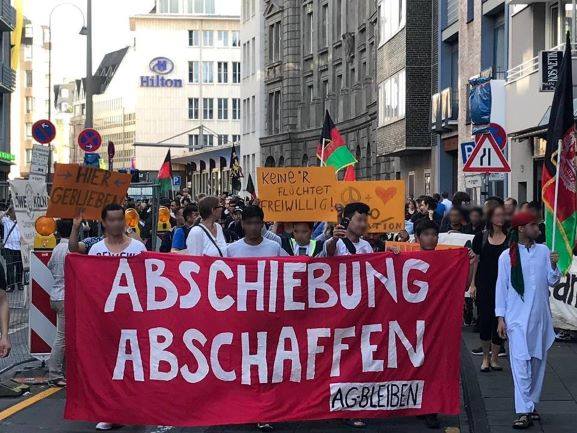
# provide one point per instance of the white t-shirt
(198, 242)
(266, 248)
(362, 247)
(101, 249)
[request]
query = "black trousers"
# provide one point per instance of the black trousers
(13, 267)
(487, 320)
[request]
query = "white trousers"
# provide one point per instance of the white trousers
(528, 378)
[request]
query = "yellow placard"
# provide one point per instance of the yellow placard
(386, 198)
(293, 194)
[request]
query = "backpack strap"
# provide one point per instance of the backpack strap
(287, 245)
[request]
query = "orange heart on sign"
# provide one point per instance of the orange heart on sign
(385, 194)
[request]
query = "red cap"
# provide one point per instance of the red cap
(522, 219)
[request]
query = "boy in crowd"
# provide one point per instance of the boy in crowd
(190, 215)
(427, 235)
(301, 243)
(56, 266)
(347, 236)
(254, 244)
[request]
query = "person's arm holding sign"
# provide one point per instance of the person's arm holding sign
(339, 232)
(74, 245)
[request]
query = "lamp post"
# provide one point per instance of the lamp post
(83, 31)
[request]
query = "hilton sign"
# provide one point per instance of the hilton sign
(160, 66)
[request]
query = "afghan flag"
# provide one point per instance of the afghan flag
(165, 173)
(561, 129)
(332, 149)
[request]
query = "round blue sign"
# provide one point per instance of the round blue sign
(89, 140)
(43, 131)
(498, 134)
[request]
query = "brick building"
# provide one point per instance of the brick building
(319, 55)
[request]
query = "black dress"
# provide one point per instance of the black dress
(486, 281)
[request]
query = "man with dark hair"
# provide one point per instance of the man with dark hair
(461, 199)
(455, 222)
(190, 215)
(254, 244)
(56, 267)
(347, 236)
(426, 207)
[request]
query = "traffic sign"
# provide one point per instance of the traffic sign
(39, 162)
(89, 140)
(487, 157)
(498, 134)
(43, 131)
(466, 150)
(176, 181)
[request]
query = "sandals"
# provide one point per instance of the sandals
(496, 367)
(523, 422)
(59, 383)
(535, 416)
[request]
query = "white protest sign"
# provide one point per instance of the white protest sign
(563, 300)
(30, 201)
(39, 162)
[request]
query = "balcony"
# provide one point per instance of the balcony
(444, 111)
(7, 79)
(7, 16)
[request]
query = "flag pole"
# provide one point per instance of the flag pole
(559, 147)
(323, 152)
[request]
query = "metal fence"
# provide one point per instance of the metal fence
(17, 279)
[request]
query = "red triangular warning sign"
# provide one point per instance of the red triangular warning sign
(486, 157)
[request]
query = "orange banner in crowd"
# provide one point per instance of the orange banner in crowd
(294, 194)
(411, 246)
(386, 199)
(85, 190)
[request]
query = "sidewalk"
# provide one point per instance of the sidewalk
(558, 407)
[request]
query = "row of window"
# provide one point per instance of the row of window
(392, 16)
(249, 119)
(204, 72)
(392, 94)
(249, 57)
(222, 38)
(203, 7)
(199, 141)
(248, 9)
(194, 108)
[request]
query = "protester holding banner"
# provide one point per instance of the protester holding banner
(11, 251)
(254, 244)
(56, 266)
(207, 238)
(488, 246)
(301, 243)
(526, 271)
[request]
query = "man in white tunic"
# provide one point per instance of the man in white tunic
(526, 270)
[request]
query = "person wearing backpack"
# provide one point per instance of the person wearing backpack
(190, 215)
(301, 244)
(488, 246)
(347, 236)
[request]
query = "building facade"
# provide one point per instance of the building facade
(319, 56)
(30, 98)
(404, 89)
(187, 62)
(252, 85)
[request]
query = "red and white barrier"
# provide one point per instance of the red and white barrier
(42, 318)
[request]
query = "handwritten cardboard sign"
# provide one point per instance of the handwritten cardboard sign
(294, 194)
(386, 199)
(78, 189)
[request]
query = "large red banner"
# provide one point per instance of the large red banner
(189, 341)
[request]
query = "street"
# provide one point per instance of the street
(487, 405)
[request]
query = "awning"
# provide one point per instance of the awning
(214, 152)
(541, 129)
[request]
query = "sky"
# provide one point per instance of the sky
(110, 29)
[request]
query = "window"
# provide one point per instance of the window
(193, 108)
(28, 52)
(325, 95)
(207, 108)
(235, 39)
(29, 104)
(236, 139)
(245, 55)
(200, 6)
(222, 38)
(168, 6)
(193, 72)
(28, 156)
(28, 78)
(246, 115)
(208, 38)
(28, 129)
(253, 56)
(222, 108)
(392, 98)
(252, 7)
(193, 142)
(248, 62)
(392, 19)
(470, 10)
(324, 23)
(499, 62)
(207, 72)
(244, 128)
(308, 36)
(207, 140)
(235, 109)
(253, 115)
(337, 18)
(222, 139)
(274, 112)
(193, 38)
(236, 72)
(274, 42)
(222, 72)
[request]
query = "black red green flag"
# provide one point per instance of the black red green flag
(561, 128)
(332, 149)
(165, 173)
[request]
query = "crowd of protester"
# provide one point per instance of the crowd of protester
(230, 226)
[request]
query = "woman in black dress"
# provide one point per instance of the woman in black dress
(488, 246)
